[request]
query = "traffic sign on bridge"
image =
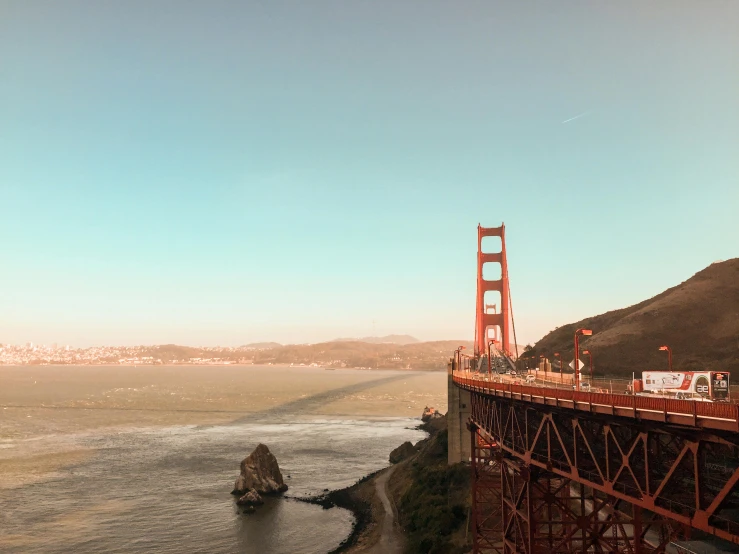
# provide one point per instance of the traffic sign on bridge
(580, 365)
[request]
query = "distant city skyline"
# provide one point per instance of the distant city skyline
(221, 173)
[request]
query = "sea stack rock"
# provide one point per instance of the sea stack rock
(260, 474)
(429, 414)
(251, 498)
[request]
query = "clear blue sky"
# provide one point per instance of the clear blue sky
(226, 172)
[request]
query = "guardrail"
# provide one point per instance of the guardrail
(713, 415)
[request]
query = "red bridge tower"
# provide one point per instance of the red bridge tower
(486, 321)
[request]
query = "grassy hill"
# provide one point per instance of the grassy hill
(698, 319)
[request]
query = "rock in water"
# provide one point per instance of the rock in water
(404, 451)
(259, 473)
(251, 498)
(429, 414)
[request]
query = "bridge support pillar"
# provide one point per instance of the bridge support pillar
(459, 409)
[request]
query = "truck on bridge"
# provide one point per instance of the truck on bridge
(712, 386)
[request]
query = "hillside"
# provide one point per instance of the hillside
(334, 354)
(431, 500)
(432, 497)
(698, 319)
(420, 355)
(261, 345)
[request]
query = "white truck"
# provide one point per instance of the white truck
(698, 385)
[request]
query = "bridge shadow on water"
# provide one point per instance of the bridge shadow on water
(310, 404)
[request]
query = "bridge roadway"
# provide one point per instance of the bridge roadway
(663, 465)
(705, 415)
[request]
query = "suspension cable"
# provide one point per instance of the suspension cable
(510, 305)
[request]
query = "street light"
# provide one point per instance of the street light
(591, 365)
(585, 333)
(543, 362)
(556, 355)
(458, 356)
(669, 355)
(490, 359)
(466, 365)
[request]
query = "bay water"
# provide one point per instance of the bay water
(166, 487)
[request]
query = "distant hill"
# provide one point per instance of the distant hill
(345, 353)
(334, 354)
(698, 319)
(389, 339)
(261, 345)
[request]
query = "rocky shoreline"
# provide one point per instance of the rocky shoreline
(372, 500)
(360, 498)
(354, 499)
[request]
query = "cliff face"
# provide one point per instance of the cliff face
(404, 451)
(698, 319)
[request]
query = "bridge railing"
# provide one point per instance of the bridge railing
(721, 413)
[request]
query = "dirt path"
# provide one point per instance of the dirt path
(391, 540)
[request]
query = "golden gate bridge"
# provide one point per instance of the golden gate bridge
(566, 470)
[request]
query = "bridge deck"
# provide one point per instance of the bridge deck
(705, 415)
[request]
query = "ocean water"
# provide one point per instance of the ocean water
(166, 489)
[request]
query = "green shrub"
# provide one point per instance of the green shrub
(430, 509)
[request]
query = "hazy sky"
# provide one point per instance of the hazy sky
(226, 172)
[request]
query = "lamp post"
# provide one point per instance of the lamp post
(591, 366)
(543, 362)
(463, 363)
(669, 355)
(458, 357)
(585, 333)
(556, 355)
(490, 358)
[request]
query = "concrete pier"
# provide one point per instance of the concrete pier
(458, 412)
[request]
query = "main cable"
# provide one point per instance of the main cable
(510, 305)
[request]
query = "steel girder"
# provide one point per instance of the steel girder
(547, 513)
(487, 503)
(679, 477)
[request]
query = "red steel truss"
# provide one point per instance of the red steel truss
(547, 513)
(487, 503)
(522, 509)
(575, 480)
